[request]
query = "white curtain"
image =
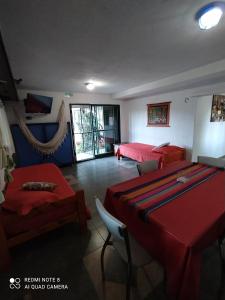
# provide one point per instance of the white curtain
(7, 140)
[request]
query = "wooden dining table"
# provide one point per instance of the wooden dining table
(174, 219)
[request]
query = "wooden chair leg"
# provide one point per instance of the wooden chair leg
(107, 242)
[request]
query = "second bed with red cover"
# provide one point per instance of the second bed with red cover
(143, 152)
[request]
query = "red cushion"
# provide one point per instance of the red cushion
(168, 149)
(22, 202)
(171, 154)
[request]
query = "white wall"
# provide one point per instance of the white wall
(87, 98)
(209, 137)
(190, 125)
(181, 128)
(205, 137)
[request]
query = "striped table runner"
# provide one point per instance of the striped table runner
(151, 195)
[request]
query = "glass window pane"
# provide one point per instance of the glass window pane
(76, 120)
(108, 117)
(104, 141)
(95, 127)
(98, 120)
(84, 146)
(109, 140)
(86, 119)
(82, 118)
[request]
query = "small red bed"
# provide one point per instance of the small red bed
(27, 214)
(142, 152)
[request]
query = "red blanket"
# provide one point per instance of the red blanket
(23, 210)
(22, 202)
(142, 152)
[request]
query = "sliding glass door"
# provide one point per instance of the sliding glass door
(82, 131)
(95, 129)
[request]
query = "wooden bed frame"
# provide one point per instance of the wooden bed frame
(78, 215)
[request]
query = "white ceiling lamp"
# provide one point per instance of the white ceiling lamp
(90, 86)
(209, 15)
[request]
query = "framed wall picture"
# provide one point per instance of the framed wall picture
(159, 114)
(218, 109)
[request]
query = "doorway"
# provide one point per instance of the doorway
(95, 129)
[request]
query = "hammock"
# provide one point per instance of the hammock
(51, 146)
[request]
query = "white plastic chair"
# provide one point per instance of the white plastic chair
(130, 251)
(147, 166)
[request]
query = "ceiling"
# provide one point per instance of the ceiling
(60, 45)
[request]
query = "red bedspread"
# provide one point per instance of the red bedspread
(26, 210)
(142, 152)
(178, 232)
(22, 202)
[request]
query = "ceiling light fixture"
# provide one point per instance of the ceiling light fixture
(90, 86)
(209, 15)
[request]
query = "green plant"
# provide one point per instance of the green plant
(85, 123)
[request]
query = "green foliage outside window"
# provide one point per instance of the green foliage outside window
(84, 125)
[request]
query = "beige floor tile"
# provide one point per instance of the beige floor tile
(113, 288)
(155, 273)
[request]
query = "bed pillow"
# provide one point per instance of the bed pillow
(39, 186)
(160, 146)
(169, 150)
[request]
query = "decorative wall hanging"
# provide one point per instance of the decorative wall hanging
(51, 146)
(159, 114)
(218, 109)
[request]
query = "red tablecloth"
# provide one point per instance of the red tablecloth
(179, 231)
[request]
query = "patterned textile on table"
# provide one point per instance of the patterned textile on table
(150, 196)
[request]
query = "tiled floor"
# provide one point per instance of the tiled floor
(74, 258)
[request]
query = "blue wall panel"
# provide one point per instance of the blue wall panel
(26, 155)
(64, 154)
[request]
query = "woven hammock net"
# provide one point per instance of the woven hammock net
(51, 146)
